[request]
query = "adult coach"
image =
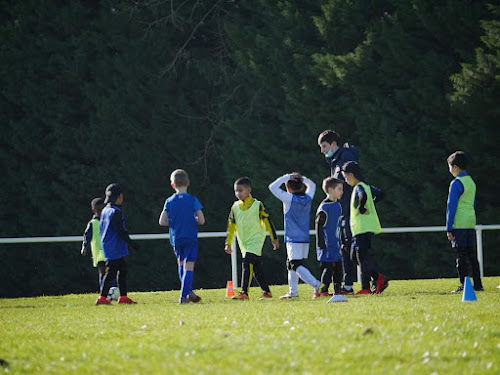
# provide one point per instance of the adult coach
(336, 156)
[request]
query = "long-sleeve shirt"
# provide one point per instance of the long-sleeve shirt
(456, 190)
(360, 197)
(87, 235)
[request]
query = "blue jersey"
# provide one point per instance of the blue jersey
(181, 210)
(329, 217)
(297, 219)
(113, 246)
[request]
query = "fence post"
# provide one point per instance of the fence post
(234, 264)
(479, 245)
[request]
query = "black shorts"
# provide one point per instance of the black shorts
(362, 241)
(463, 238)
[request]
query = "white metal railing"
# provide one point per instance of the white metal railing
(234, 273)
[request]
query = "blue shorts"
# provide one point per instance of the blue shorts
(463, 238)
(186, 249)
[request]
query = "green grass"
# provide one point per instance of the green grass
(414, 327)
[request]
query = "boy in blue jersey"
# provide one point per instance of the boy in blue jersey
(182, 214)
(365, 224)
(336, 156)
(297, 201)
(329, 236)
(115, 241)
(461, 220)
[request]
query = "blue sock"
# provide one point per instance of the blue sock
(187, 283)
(181, 272)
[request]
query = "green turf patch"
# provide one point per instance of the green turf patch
(414, 327)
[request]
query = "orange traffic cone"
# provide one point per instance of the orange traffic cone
(229, 289)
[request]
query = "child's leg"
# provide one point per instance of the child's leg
(326, 274)
(187, 279)
(246, 273)
(259, 272)
(361, 244)
(307, 276)
(476, 272)
(337, 276)
(110, 274)
(180, 264)
(293, 280)
(101, 267)
(121, 279)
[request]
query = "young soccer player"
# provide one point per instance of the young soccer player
(364, 225)
(249, 219)
(297, 201)
(92, 238)
(336, 156)
(461, 220)
(329, 236)
(115, 241)
(182, 213)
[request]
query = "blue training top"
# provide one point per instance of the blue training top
(330, 231)
(113, 246)
(181, 210)
(297, 219)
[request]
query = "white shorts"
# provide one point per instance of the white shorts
(297, 251)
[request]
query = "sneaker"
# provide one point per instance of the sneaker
(382, 283)
(102, 301)
(459, 289)
(289, 296)
(325, 294)
(183, 301)
(480, 289)
(266, 295)
(315, 295)
(364, 291)
(319, 288)
(346, 291)
(240, 295)
(191, 297)
(126, 300)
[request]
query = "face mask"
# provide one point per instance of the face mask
(330, 154)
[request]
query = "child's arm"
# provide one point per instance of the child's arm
(87, 238)
(231, 230)
(456, 190)
(279, 193)
(319, 224)
(264, 216)
(200, 218)
(163, 219)
(310, 186)
(377, 194)
(360, 199)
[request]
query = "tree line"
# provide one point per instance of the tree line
(99, 92)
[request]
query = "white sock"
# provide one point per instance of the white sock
(307, 276)
(293, 283)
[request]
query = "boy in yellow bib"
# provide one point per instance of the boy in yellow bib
(364, 225)
(249, 219)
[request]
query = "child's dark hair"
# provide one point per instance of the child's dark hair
(329, 136)
(295, 183)
(459, 159)
(245, 181)
(330, 182)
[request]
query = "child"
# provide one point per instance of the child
(182, 214)
(328, 236)
(364, 224)
(250, 220)
(297, 211)
(336, 156)
(92, 237)
(461, 219)
(114, 242)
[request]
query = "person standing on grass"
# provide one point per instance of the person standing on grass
(336, 156)
(249, 219)
(182, 213)
(364, 225)
(115, 241)
(297, 200)
(329, 236)
(92, 238)
(461, 220)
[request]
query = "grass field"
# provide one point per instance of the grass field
(414, 327)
